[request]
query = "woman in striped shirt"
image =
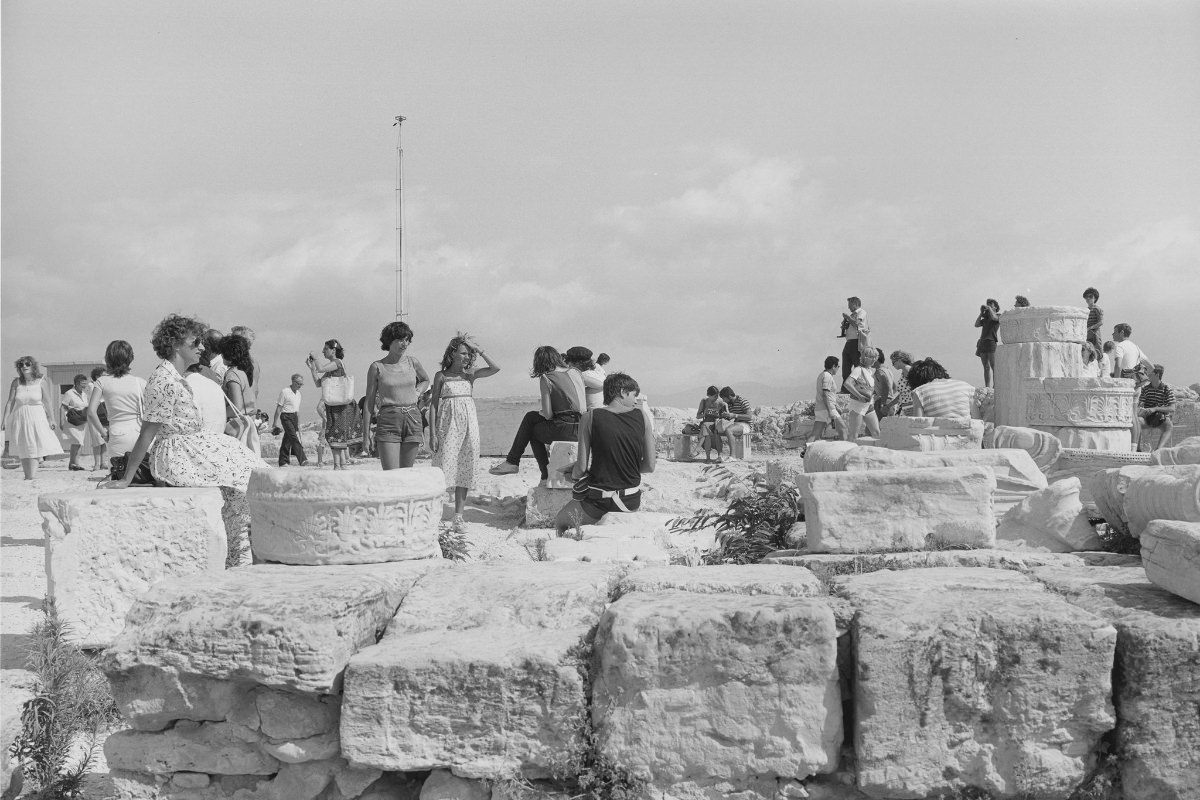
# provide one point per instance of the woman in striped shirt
(936, 394)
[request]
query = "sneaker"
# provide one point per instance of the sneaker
(75, 468)
(458, 524)
(505, 468)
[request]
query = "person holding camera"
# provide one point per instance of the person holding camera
(857, 333)
(341, 418)
(989, 337)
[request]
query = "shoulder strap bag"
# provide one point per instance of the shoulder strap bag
(338, 390)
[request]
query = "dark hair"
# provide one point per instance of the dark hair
(1021, 302)
(728, 392)
(924, 371)
(1158, 370)
(1091, 290)
(97, 372)
(1124, 328)
(993, 303)
(854, 300)
(903, 356)
(338, 352)
(832, 361)
(603, 359)
(711, 391)
(79, 377)
(172, 331)
(235, 349)
(117, 357)
(243, 330)
(879, 357)
(545, 359)
(36, 372)
(616, 383)
(212, 346)
(580, 358)
(393, 332)
(455, 343)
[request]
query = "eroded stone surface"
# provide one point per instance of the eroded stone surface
(748, 579)
(931, 433)
(105, 549)
(1171, 555)
(974, 678)
(826, 456)
(1079, 402)
(1016, 362)
(1108, 489)
(1163, 493)
(1017, 475)
(1117, 440)
(779, 470)
(212, 747)
(902, 509)
(1042, 447)
(1156, 687)
(830, 565)
(1084, 464)
(606, 549)
(1183, 453)
(704, 689)
(1052, 518)
(563, 456)
(325, 517)
(479, 671)
(290, 627)
(542, 506)
(1044, 324)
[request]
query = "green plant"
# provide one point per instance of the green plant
(536, 549)
(454, 544)
(61, 726)
(753, 525)
(577, 525)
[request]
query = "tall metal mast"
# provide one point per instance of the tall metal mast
(401, 298)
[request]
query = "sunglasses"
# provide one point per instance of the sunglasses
(196, 343)
(24, 364)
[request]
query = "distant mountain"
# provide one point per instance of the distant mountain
(757, 394)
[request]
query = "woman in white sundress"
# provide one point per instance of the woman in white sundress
(27, 418)
(454, 428)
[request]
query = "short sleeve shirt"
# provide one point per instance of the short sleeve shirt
(1157, 398)
(168, 399)
(289, 401)
(824, 384)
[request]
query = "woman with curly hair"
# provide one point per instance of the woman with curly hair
(394, 384)
(454, 436)
(902, 401)
(27, 417)
(936, 394)
(182, 452)
(121, 394)
(563, 404)
(341, 421)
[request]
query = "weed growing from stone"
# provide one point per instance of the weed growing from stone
(536, 549)
(752, 526)
(63, 725)
(454, 544)
(576, 525)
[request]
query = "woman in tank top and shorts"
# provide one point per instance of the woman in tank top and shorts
(616, 446)
(393, 385)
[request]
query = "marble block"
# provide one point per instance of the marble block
(931, 433)
(1163, 493)
(1043, 447)
(898, 509)
(1044, 324)
(1107, 488)
(563, 456)
(311, 517)
(826, 456)
(1079, 402)
(1183, 453)
(686, 446)
(1075, 462)
(1016, 362)
(1171, 556)
(542, 506)
(1115, 440)
(106, 549)
(1052, 519)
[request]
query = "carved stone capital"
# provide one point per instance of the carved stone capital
(1044, 324)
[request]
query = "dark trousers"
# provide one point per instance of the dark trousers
(291, 440)
(536, 432)
(850, 355)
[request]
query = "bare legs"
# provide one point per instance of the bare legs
(989, 368)
(29, 465)
(398, 455)
(97, 457)
(855, 425)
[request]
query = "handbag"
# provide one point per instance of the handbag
(337, 391)
(243, 428)
(76, 416)
(691, 429)
(141, 477)
(860, 391)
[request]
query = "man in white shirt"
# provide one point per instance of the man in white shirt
(287, 412)
(854, 328)
(1126, 354)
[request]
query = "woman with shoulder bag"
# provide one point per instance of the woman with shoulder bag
(241, 392)
(861, 387)
(337, 395)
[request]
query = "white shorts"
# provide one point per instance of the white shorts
(823, 415)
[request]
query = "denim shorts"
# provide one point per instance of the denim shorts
(398, 424)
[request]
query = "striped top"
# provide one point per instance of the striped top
(738, 405)
(1157, 398)
(945, 397)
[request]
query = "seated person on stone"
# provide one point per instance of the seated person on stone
(1155, 406)
(936, 394)
(710, 410)
(616, 445)
(735, 422)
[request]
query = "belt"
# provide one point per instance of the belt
(614, 494)
(399, 407)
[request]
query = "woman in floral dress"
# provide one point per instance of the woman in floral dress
(182, 451)
(341, 421)
(454, 428)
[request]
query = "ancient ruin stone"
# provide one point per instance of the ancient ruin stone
(826, 456)
(152, 697)
(1108, 489)
(1017, 475)
(1163, 493)
(746, 579)
(479, 672)
(1016, 362)
(1083, 464)
(542, 506)
(1043, 447)
(974, 678)
(105, 549)
(1044, 324)
(1079, 402)
(931, 433)
(1171, 555)
(563, 456)
(1116, 440)
(1156, 676)
(606, 549)
(288, 627)
(220, 748)
(704, 688)
(779, 470)
(902, 509)
(445, 785)
(324, 517)
(1186, 452)
(1052, 518)
(829, 565)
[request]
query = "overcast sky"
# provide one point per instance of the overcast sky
(693, 187)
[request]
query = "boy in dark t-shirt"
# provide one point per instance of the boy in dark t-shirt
(1095, 317)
